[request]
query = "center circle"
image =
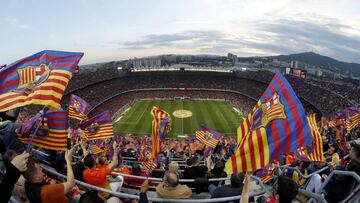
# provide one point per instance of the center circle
(182, 113)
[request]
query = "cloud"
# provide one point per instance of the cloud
(282, 36)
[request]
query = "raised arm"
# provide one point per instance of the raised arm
(114, 161)
(70, 182)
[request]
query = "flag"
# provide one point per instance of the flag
(95, 149)
(352, 122)
(149, 166)
(340, 135)
(78, 108)
(38, 79)
(317, 153)
(208, 136)
(98, 127)
(195, 145)
(161, 125)
(52, 132)
(276, 125)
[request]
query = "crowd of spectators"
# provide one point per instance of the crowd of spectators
(100, 85)
(24, 171)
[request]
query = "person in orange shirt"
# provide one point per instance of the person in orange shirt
(38, 191)
(98, 175)
(121, 168)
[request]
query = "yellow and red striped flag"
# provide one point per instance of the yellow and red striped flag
(160, 126)
(317, 153)
(38, 79)
(353, 122)
(96, 149)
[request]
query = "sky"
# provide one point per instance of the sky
(108, 30)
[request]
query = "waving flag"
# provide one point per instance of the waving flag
(195, 145)
(161, 125)
(352, 122)
(275, 126)
(52, 132)
(38, 79)
(78, 108)
(98, 127)
(96, 149)
(208, 136)
(317, 153)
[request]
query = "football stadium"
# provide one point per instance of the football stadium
(140, 102)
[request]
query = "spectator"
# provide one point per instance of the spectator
(37, 191)
(233, 189)
(79, 167)
(195, 171)
(170, 188)
(334, 155)
(8, 131)
(98, 176)
(218, 172)
(174, 167)
(136, 171)
(296, 176)
(17, 165)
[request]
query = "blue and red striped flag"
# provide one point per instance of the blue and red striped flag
(38, 79)
(98, 127)
(276, 125)
(52, 132)
(161, 125)
(78, 108)
(208, 136)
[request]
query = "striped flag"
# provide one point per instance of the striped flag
(195, 145)
(353, 122)
(317, 153)
(277, 125)
(149, 165)
(161, 125)
(340, 135)
(52, 132)
(95, 149)
(78, 108)
(208, 136)
(38, 79)
(98, 127)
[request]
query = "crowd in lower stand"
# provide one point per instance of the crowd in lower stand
(117, 167)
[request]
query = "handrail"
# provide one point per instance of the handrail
(318, 197)
(301, 174)
(160, 179)
(338, 172)
(151, 199)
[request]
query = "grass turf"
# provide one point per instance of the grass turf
(218, 115)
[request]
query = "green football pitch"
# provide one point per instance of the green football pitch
(218, 115)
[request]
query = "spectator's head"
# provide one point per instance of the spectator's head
(174, 167)
(135, 169)
(9, 155)
(333, 149)
(324, 139)
(9, 115)
(354, 165)
(89, 162)
(102, 160)
(218, 169)
(355, 150)
(91, 196)
(34, 172)
(304, 165)
(188, 162)
(171, 179)
(195, 160)
(286, 189)
(237, 179)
